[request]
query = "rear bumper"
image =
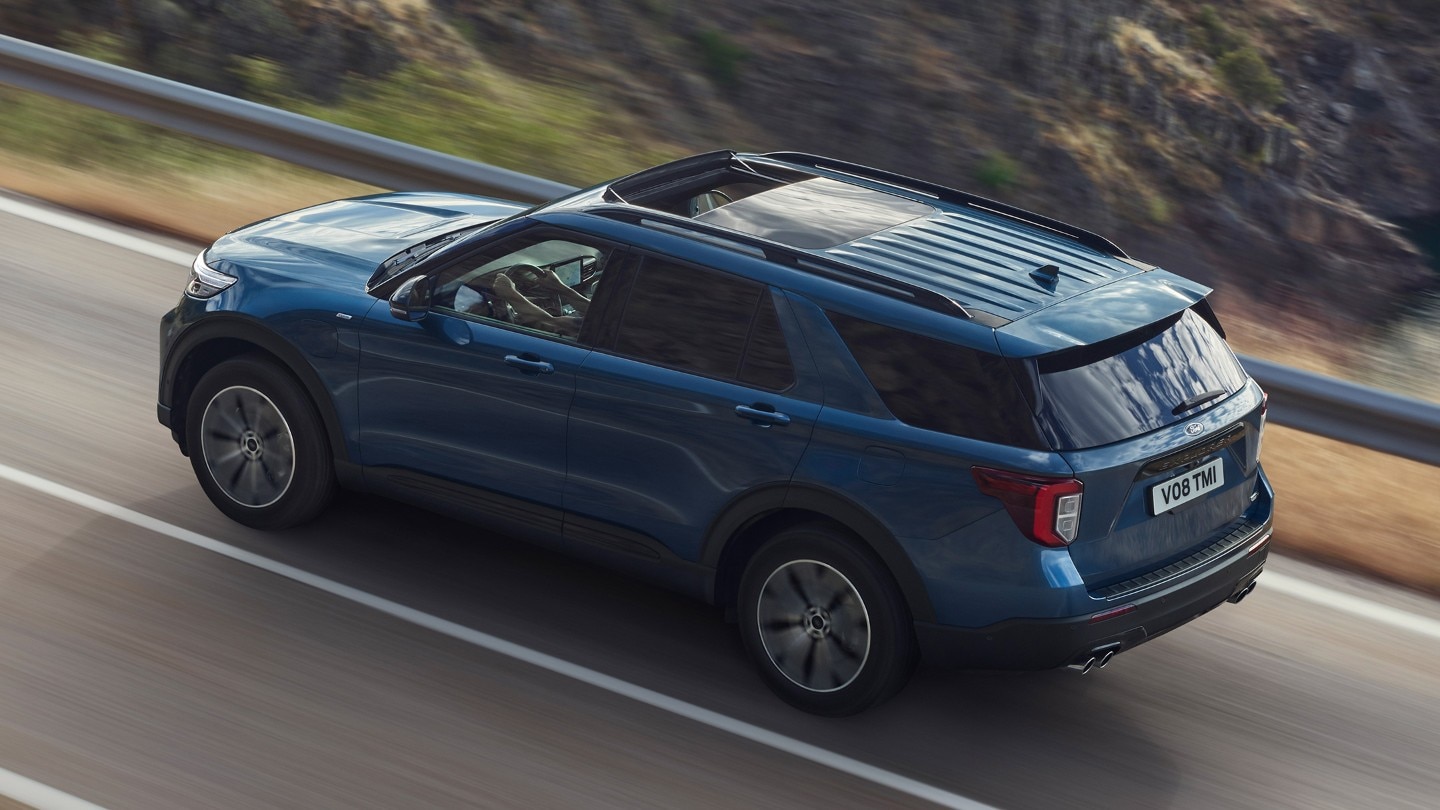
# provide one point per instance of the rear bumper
(1026, 644)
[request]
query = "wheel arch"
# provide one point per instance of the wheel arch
(221, 337)
(748, 522)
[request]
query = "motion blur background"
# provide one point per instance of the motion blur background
(1285, 152)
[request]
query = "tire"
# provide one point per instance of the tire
(824, 621)
(257, 444)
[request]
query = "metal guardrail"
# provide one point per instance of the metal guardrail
(1328, 407)
(1349, 412)
(254, 127)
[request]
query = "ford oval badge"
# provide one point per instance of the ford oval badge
(1194, 429)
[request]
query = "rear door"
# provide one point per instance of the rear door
(691, 398)
(1162, 427)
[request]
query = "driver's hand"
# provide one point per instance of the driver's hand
(549, 279)
(523, 273)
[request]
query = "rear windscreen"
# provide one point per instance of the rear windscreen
(1133, 384)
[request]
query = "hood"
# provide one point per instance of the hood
(349, 238)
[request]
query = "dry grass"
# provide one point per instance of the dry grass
(1145, 52)
(200, 209)
(1355, 508)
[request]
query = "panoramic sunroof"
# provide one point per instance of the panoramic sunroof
(815, 213)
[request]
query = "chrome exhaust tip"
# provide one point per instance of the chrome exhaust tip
(1084, 668)
(1105, 659)
(1237, 598)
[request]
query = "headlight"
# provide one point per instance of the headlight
(205, 281)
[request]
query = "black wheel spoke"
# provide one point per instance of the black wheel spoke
(843, 645)
(808, 641)
(239, 471)
(269, 475)
(240, 409)
(799, 589)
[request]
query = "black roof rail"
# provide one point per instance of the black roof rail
(1093, 241)
(809, 262)
(683, 168)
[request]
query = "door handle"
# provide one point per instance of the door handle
(762, 415)
(529, 366)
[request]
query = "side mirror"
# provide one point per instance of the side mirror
(411, 300)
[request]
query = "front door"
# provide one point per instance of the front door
(466, 409)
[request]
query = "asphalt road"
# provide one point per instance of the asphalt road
(138, 671)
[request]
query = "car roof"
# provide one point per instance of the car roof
(986, 260)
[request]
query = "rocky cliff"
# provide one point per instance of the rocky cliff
(1261, 146)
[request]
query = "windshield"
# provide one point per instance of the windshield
(1134, 384)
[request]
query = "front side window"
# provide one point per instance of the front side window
(706, 322)
(539, 282)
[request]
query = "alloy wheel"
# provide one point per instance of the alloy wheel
(247, 446)
(814, 625)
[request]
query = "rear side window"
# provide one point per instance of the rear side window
(1136, 383)
(941, 386)
(706, 322)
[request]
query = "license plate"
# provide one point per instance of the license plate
(1185, 488)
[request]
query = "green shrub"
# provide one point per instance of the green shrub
(660, 10)
(1158, 210)
(1249, 78)
(1212, 35)
(555, 132)
(997, 172)
(263, 80)
(76, 136)
(721, 55)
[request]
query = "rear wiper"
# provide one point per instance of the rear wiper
(1198, 399)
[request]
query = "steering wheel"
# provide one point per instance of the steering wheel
(708, 201)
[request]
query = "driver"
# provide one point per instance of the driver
(529, 313)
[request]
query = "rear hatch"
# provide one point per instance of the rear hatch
(1162, 426)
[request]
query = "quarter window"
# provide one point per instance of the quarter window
(941, 386)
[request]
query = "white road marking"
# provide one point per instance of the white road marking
(40, 797)
(1354, 605)
(739, 728)
(94, 230)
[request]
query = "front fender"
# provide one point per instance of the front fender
(200, 345)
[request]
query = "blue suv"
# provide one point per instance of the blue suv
(871, 417)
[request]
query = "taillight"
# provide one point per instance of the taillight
(1264, 409)
(1045, 509)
